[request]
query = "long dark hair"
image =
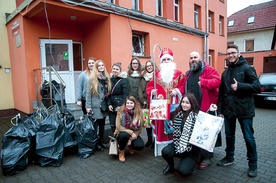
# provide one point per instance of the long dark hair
(194, 105)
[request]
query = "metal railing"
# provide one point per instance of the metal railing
(38, 83)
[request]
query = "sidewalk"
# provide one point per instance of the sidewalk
(144, 167)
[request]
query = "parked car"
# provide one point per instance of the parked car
(268, 90)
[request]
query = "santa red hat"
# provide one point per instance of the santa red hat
(166, 53)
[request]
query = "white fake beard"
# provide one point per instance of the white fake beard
(167, 71)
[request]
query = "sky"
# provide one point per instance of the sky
(237, 5)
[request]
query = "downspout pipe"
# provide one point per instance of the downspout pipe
(205, 48)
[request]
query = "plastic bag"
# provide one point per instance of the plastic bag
(50, 140)
(15, 146)
(70, 129)
(86, 137)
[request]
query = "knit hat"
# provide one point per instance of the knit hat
(166, 53)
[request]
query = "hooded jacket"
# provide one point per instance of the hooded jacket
(239, 103)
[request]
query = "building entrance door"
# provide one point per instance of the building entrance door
(59, 55)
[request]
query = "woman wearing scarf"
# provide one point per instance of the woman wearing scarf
(142, 94)
(183, 119)
(98, 88)
(134, 77)
(128, 127)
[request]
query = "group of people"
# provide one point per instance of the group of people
(127, 93)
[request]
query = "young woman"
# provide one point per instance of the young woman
(118, 94)
(82, 84)
(128, 127)
(183, 119)
(98, 88)
(134, 77)
(142, 94)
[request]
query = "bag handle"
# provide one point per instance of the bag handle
(115, 86)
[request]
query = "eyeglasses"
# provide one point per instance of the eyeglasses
(231, 53)
(149, 66)
(134, 63)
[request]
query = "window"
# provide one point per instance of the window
(135, 4)
(159, 8)
(196, 15)
(250, 20)
(250, 60)
(110, 1)
(230, 23)
(176, 10)
(138, 44)
(230, 43)
(210, 22)
(221, 25)
(249, 45)
(210, 57)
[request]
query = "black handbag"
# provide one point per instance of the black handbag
(103, 106)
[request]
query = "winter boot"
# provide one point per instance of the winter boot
(122, 156)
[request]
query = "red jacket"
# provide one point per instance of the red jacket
(209, 81)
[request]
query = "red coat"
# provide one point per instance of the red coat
(209, 81)
(177, 83)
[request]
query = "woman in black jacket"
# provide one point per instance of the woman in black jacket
(118, 94)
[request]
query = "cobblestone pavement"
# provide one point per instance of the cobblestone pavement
(144, 167)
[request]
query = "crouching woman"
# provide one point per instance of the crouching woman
(183, 119)
(128, 127)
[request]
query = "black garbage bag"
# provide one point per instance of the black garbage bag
(32, 122)
(15, 146)
(68, 120)
(86, 137)
(56, 94)
(50, 140)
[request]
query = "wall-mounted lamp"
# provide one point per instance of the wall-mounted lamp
(7, 70)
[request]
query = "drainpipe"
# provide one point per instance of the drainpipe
(206, 31)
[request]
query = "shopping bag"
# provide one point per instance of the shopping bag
(206, 130)
(113, 146)
(159, 110)
(146, 119)
(168, 127)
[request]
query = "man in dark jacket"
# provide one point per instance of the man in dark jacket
(238, 84)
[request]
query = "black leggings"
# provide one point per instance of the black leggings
(187, 163)
(123, 137)
(101, 124)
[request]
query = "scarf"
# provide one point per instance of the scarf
(148, 76)
(181, 136)
(103, 82)
(128, 122)
(135, 74)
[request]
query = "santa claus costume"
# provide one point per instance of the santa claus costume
(170, 86)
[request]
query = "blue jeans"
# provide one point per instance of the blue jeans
(248, 135)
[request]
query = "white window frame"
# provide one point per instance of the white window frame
(141, 42)
(135, 5)
(159, 3)
(221, 25)
(251, 19)
(231, 23)
(210, 22)
(176, 10)
(196, 14)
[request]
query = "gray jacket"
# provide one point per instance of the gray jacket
(94, 101)
(82, 85)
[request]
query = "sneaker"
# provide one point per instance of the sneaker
(225, 161)
(252, 171)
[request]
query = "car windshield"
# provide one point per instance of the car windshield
(267, 79)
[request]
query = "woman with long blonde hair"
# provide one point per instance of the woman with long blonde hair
(98, 89)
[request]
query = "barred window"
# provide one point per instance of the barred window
(138, 44)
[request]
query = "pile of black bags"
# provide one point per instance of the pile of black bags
(42, 138)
